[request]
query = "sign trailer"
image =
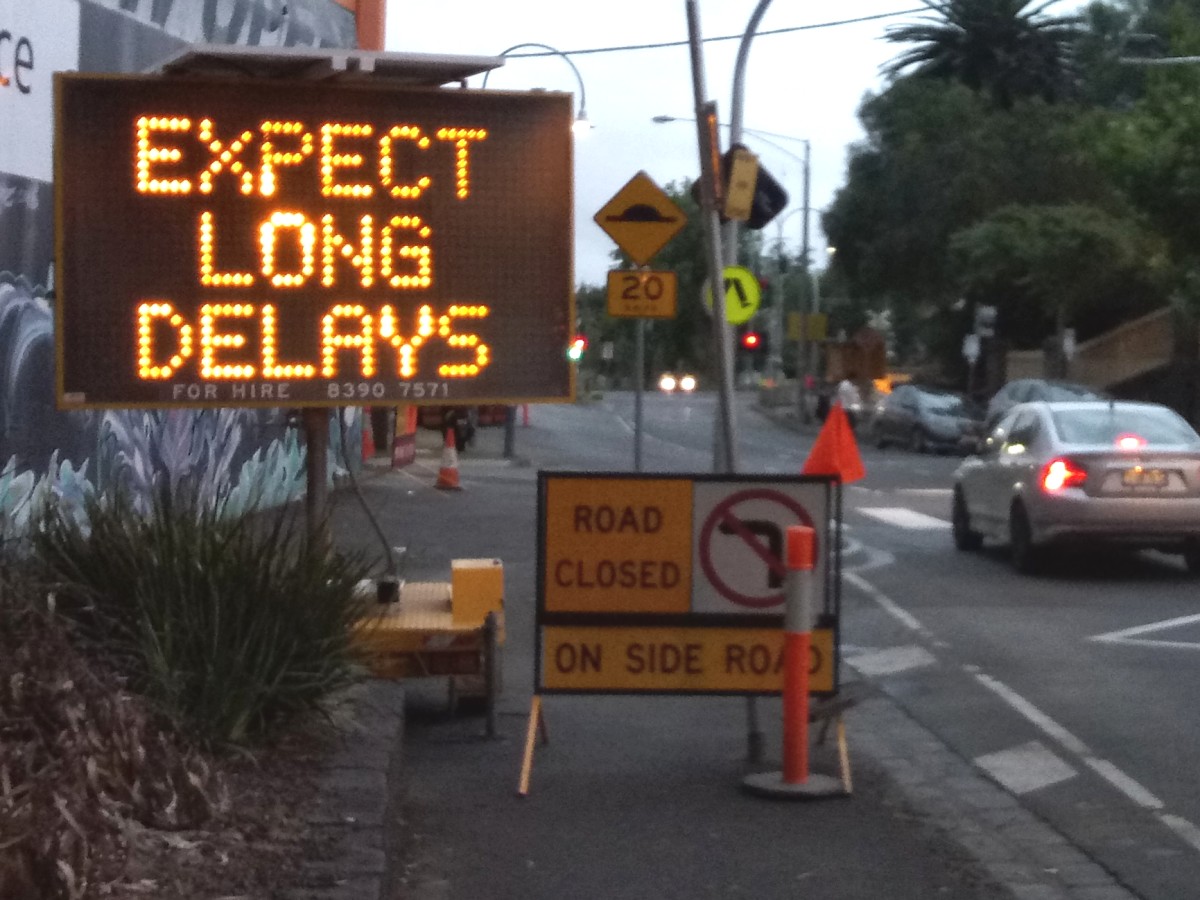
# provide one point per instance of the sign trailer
(294, 243)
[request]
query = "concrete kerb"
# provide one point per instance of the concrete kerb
(359, 791)
(1027, 856)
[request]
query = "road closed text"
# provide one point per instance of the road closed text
(602, 519)
(675, 660)
(618, 546)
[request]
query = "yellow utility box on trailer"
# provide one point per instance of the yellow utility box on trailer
(441, 628)
(477, 588)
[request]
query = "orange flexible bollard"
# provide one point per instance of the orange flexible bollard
(797, 645)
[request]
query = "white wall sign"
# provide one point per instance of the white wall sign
(37, 39)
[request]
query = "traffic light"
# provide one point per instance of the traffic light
(769, 199)
(751, 340)
(575, 351)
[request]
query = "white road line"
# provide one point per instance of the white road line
(905, 618)
(1026, 768)
(1127, 786)
(903, 518)
(1127, 635)
(1033, 714)
(1123, 783)
(1182, 827)
(1106, 770)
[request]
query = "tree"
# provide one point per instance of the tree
(996, 47)
(1046, 268)
(1149, 150)
(938, 158)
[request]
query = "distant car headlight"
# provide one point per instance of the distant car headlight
(667, 383)
(687, 383)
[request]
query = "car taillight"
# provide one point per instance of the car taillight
(1130, 442)
(1062, 473)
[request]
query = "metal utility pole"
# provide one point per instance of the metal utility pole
(730, 237)
(724, 457)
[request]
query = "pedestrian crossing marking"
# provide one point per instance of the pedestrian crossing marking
(892, 660)
(904, 518)
(1026, 768)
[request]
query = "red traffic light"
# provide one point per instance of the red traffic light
(751, 340)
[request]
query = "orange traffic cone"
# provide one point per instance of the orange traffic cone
(448, 473)
(835, 451)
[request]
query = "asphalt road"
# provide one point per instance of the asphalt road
(1075, 689)
(1035, 685)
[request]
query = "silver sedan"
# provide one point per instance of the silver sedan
(1083, 472)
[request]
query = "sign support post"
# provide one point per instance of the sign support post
(639, 387)
(316, 465)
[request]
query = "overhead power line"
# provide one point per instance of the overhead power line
(726, 37)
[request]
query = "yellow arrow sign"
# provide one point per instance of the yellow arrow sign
(641, 218)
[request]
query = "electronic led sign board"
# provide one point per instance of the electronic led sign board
(284, 243)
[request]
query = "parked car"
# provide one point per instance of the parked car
(925, 418)
(1082, 472)
(1026, 390)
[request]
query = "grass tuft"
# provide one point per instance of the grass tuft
(229, 624)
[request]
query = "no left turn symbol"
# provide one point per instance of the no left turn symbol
(740, 547)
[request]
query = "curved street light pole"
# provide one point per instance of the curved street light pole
(754, 733)
(580, 126)
(729, 237)
(581, 120)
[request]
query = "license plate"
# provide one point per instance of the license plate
(1144, 478)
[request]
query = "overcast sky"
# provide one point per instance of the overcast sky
(805, 82)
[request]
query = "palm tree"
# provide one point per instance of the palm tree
(996, 46)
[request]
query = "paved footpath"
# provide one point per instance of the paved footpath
(640, 797)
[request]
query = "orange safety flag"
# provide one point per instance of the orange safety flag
(835, 452)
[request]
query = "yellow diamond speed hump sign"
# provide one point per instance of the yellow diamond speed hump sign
(641, 218)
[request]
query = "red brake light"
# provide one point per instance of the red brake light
(1130, 442)
(1062, 473)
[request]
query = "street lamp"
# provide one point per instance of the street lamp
(581, 126)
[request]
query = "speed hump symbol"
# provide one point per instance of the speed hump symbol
(742, 295)
(763, 535)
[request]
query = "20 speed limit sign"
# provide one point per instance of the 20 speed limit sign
(642, 294)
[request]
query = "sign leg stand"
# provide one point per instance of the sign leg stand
(795, 782)
(491, 672)
(537, 726)
(844, 756)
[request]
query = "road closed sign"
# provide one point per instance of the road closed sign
(617, 545)
(675, 584)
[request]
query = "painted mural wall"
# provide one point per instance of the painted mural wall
(250, 452)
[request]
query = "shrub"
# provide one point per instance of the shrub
(230, 624)
(80, 757)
